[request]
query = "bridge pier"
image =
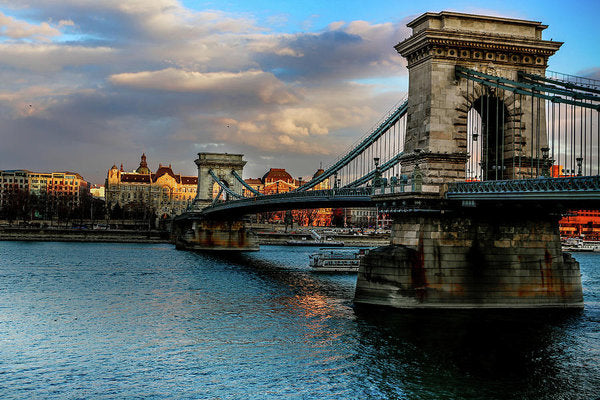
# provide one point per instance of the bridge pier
(194, 232)
(477, 258)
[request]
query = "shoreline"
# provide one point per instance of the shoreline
(155, 236)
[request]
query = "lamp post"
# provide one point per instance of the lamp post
(579, 164)
(377, 178)
(546, 162)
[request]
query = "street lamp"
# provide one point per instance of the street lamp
(546, 162)
(377, 178)
(579, 164)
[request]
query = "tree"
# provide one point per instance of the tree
(337, 218)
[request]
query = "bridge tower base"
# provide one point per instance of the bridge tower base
(193, 232)
(477, 259)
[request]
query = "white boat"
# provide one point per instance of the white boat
(578, 244)
(335, 260)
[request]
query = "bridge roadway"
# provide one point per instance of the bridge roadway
(577, 192)
(571, 192)
(331, 198)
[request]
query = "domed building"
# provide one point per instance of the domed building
(143, 168)
(164, 192)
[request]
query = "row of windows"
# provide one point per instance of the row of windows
(138, 188)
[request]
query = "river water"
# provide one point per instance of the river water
(104, 321)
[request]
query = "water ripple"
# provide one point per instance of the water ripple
(82, 320)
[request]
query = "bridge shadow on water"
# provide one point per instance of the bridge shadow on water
(430, 354)
(476, 353)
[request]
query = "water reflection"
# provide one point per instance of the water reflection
(432, 354)
(491, 354)
(138, 321)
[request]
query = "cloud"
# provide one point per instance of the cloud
(12, 28)
(154, 76)
(51, 56)
(262, 84)
(592, 73)
(345, 51)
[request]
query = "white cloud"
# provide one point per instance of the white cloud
(50, 56)
(262, 84)
(15, 29)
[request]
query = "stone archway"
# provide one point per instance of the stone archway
(489, 134)
(222, 165)
(439, 103)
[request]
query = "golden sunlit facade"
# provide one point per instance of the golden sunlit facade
(163, 192)
(70, 185)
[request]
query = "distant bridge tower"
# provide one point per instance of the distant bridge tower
(439, 104)
(193, 231)
(222, 165)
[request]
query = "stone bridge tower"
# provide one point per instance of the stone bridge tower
(484, 255)
(222, 165)
(438, 103)
(193, 231)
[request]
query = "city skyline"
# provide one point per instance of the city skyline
(89, 85)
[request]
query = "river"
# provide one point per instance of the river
(105, 321)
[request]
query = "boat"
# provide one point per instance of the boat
(316, 240)
(578, 244)
(336, 260)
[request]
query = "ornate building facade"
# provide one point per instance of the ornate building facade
(163, 192)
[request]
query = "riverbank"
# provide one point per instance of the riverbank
(281, 238)
(83, 235)
(155, 236)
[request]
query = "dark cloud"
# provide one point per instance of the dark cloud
(350, 52)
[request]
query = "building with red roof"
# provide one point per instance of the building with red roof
(278, 180)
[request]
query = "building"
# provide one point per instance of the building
(165, 193)
(278, 180)
(577, 223)
(67, 185)
(365, 218)
(97, 191)
(581, 223)
(13, 182)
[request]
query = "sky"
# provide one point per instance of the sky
(85, 84)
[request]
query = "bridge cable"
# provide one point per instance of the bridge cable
(370, 175)
(528, 89)
(240, 180)
(224, 186)
(357, 150)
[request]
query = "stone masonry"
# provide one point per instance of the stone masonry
(482, 259)
(438, 103)
(221, 164)
(193, 231)
(448, 255)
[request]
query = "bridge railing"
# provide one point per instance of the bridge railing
(539, 185)
(340, 192)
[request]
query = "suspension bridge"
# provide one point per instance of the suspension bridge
(475, 166)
